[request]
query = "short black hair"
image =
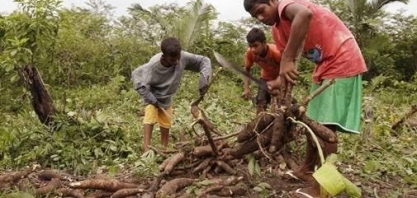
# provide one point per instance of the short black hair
(248, 4)
(256, 34)
(171, 46)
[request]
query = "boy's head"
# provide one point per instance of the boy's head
(171, 51)
(266, 11)
(257, 41)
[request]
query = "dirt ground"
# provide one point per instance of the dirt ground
(212, 183)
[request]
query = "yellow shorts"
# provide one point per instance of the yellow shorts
(155, 115)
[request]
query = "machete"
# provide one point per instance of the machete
(225, 63)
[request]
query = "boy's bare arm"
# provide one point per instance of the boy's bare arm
(246, 86)
(301, 18)
(147, 95)
(246, 81)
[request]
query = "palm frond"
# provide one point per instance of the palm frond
(194, 22)
(361, 8)
(378, 4)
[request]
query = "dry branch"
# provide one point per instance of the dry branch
(410, 113)
(197, 102)
(260, 123)
(208, 127)
(317, 92)
(41, 100)
(226, 136)
(210, 139)
(252, 145)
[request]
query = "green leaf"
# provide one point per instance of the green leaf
(257, 168)
(19, 195)
(264, 185)
(113, 148)
(9, 67)
(205, 182)
(14, 78)
(13, 52)
(351, 189)
(98, 152)
(258, 189)
(251, 166)
(113, 170)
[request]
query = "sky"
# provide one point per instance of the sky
(229, 10)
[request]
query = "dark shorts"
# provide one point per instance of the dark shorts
(263, 97)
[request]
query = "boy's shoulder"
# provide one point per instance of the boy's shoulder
(274, 49)
(186, 54)
(249, 54)
(154, 60)
(188, 57)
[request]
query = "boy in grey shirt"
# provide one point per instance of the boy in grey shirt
(159, 79)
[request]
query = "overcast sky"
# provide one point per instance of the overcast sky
(228, 9)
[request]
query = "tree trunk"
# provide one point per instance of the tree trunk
(41, 100)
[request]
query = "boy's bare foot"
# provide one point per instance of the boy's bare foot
(300, 175)
(309, 192)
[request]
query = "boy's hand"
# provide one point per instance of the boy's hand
(288, 71)
(274, 92)
(276, 84)
(156, 104)
(203, 90)
(246, 94)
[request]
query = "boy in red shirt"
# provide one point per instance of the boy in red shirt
(326, 41)
(268, 58)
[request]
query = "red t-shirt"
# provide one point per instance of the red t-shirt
(329, 43)
(269, 64)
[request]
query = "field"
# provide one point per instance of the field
(98, 141)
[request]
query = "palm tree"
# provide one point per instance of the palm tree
(188, 25)
(196, 22)
(367, 17)
(363, 17)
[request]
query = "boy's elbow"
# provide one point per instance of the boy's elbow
(307, 14)
(134, 72)
(207, 62)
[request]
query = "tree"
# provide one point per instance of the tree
(29, 40)
(366, 21)
(403, 33)
(187, 24)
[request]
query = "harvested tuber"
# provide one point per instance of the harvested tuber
(102, 184)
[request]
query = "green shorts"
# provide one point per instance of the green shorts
(340, 104)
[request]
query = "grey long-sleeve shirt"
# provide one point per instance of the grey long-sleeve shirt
(156, 83)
